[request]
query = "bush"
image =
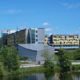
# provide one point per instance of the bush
(23, 58)
(1, 70)
(49, 65)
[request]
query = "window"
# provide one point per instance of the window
(36, 39)
(54, 36)
(36, 35)
(36, 31)
(60, 42)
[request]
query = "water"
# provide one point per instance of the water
(45, 76)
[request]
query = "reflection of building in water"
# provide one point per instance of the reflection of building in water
(42, 77)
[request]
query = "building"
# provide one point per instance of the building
(4, 34)
(34, 51)
(46, 39)
(28, 35)
(64, 41)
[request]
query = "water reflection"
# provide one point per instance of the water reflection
(45, 76)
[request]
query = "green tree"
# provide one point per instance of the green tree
(0, 43)
(47, 55)
(13, 53)
(48, 58)
(1, 70)
(4, 54)
(64, 60)
(77, 54)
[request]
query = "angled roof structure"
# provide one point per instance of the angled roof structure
(35, 47)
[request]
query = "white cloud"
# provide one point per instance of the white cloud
(79, 28)
(46, 24)
(22, 27)
(77, 32)
(56, 27)
(74, 5)
(49, 29)
(11, 11)
(64, 4)
(25, 24)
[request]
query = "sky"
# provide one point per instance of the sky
(56, 16)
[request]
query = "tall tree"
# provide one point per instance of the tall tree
(0, 43)
(15, 58)
(64, 59)
(4, 54)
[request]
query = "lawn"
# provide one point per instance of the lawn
(28, 62)
(56, 57)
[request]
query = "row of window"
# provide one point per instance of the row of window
(65, 46)
(65, 42)
(65, 37)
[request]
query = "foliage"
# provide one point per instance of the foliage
(13, 53)
(56, 57)
(77, 54)
(49, 65)
(10, 58)
(1, 70)
(47, 55)
(23, 58)
(49, 74)
(75, 66)
(4, 54)
(64, 59)
(0, 42)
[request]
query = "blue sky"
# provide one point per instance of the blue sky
(56, 16)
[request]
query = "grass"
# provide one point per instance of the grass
(26, 70)
(27, 62)
(56, 58)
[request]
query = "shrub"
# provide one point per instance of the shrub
(49, 65)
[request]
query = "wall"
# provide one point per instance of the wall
(26, 52)
(41, 35)
(39, 58)
(21, 37)
(10, 39)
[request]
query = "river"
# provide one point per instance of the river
(45, 76)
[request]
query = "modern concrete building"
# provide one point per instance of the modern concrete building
(28, 35)
(34, 51)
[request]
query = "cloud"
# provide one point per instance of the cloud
(25, 24)
(49, 29)
(74, 6)
(11, 11)
(77, 32)
(56, 27)
(79, 28)
(46, 24)
(22, 27)
(64, 4)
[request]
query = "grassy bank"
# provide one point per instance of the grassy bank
(25, 70)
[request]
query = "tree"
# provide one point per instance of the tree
(48, 58)
(47, 55)
(4, 54)
(13, 53)
(1, 70)
(10, 58)
(64, 60)
(0, 42)
(77, 54)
